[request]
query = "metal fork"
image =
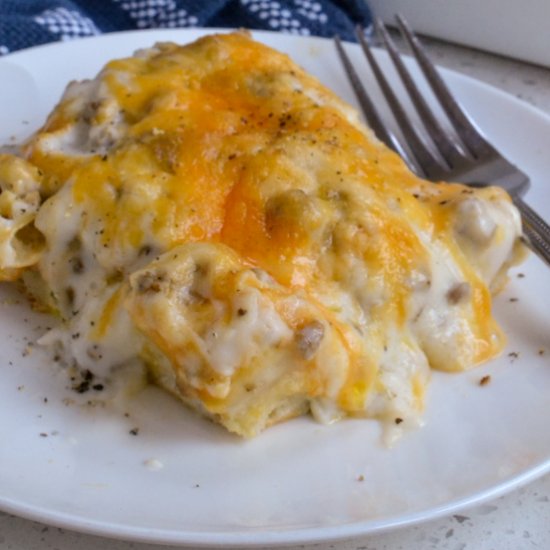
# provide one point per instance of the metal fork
(470, 159)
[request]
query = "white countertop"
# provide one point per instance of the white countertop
(518, 520)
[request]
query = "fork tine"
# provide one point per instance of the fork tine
(467, 132)
(449, 148)
(368, 108)
(430, 164)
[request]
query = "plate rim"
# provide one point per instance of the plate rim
(259, 538)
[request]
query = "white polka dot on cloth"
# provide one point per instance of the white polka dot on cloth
(311, 10)
(157, 13)
(66, 23)
(4, 50)
(277, 17)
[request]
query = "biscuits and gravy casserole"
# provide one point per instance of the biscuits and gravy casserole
(215, 211)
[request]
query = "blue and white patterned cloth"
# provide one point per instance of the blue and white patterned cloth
(25, 23)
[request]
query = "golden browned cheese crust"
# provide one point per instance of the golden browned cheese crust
(264, 252)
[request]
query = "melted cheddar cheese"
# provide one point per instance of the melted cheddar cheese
(217, 212)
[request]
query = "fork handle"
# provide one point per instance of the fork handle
(531, 218)
(539, 245)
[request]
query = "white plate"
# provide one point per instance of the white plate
(298, 482)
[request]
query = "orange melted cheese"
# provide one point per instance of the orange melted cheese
(365, 272)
